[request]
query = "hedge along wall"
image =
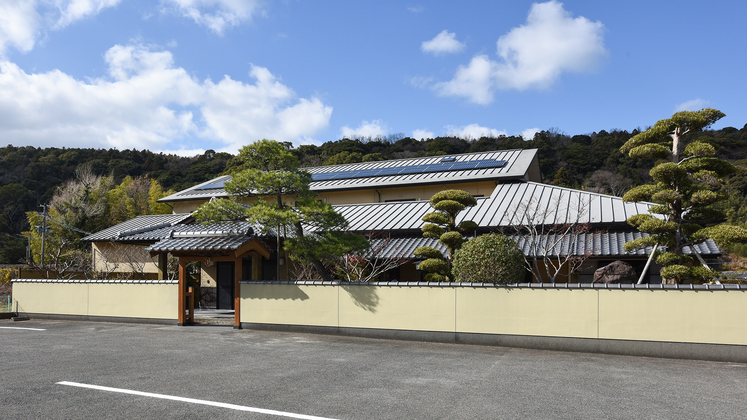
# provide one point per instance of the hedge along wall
(115, 299)
(570, 317)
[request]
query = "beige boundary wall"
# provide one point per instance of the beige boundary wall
(611, 319)
(108, 299)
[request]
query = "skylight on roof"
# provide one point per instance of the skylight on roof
(448, 159)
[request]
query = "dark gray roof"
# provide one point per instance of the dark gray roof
(517, 165)
(597, 245)
(196, 237)
(140, 229)
(200, 243)
(603, 244)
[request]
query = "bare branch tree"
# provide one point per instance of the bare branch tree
(370, 264)
(303, 270)
(606, 182)
(553, 234)
(123, 261)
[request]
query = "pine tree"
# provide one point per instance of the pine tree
(685, 187)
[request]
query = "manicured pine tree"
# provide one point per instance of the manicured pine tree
(441, 225)
(685, 187)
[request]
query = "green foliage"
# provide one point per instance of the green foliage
(434, 265)
(345, 157)
(373, 157)
(283, 202)
(442, 226)
(490, 258)
(6, 275)
(427, 252)
(136, 197)
(684, 191)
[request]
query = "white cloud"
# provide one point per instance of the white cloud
(72, 10)
(531, 56)
(147, 102)
(22, 22)
(693, 105)
(529, 133)
(443, 43)
(19, 25)
(473, 131)
(474, 81)
(373, 129)
(423, 134)
(217, 14)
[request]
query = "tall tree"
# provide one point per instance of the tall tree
(441, 224)
(686, 182)
(284, 203)
(136, 197)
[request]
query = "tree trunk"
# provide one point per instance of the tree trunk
(326, 276)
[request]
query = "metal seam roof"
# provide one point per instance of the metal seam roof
(518, 163)
(139, 227)
(556, 206)
(602, 244)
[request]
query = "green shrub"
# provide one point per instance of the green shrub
(490, 258)
(6, 275)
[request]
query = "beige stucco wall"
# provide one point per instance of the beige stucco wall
(403, 308)
(150, 300)
(686, 316)
(543, 312)
(289, 304)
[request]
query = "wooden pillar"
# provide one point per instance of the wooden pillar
(256, 267)
(163, 264)
(237, 294)
(182, 287)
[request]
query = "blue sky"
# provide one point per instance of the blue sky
(183, 76)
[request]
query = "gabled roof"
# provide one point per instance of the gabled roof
(200, 243)
(502, 165)
(545, 204)
(140, 229)
(542, 204)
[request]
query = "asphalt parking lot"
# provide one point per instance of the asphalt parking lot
(71, 370)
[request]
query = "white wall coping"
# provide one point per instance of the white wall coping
(94, 281)
(614, 286)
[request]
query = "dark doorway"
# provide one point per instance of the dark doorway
(225, 288)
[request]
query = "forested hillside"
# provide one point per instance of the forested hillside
(29, 176)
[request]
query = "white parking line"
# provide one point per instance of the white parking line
(22, 328)
(194, 401)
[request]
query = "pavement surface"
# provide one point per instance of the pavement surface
(87, 370)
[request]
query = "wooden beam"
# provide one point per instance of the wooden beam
(237, 269)
(182, 287)
(256, 267)
(163, 263)
(254, 246)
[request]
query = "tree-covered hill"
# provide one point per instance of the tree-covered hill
(29, 176)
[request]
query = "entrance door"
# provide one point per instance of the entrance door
(225, 289)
